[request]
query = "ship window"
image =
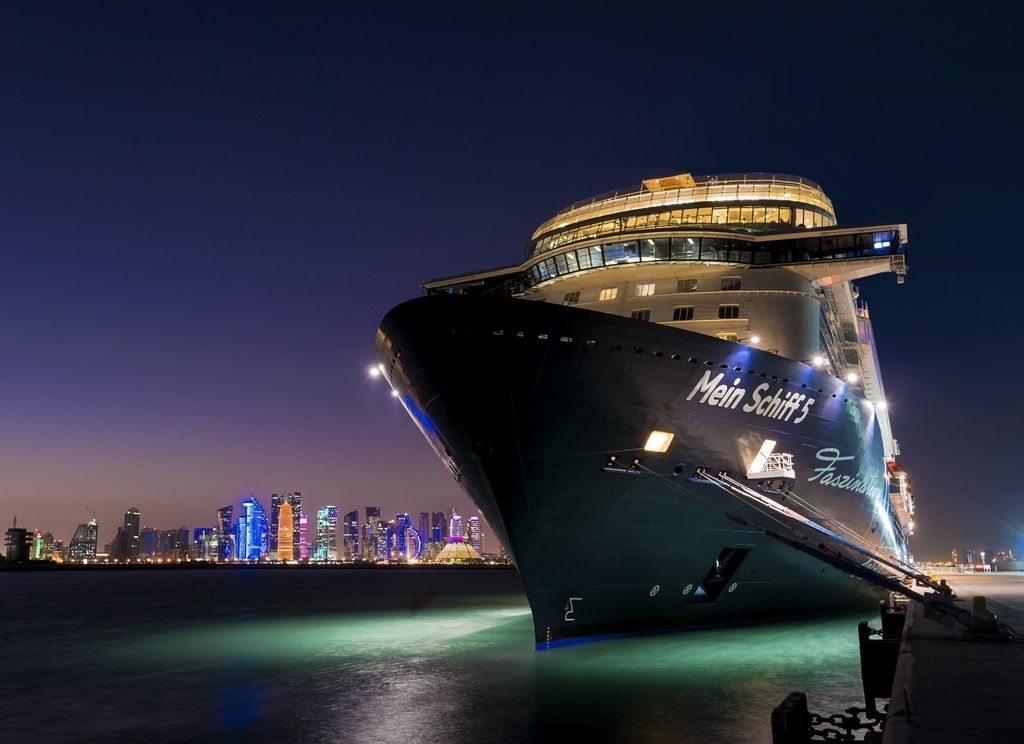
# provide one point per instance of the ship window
(786, 215)
(728, 337)
(686, 285)
(771, 215)
(685, 249)
(608, 293)
(571, 299)
(644, 289)
(703, 215)
(728, 311)
(690, 216)
(641, 314)
(734, 216)
(683, 313)
(719, 215)
(730, 283)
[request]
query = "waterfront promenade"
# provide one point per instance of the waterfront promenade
(952, 690)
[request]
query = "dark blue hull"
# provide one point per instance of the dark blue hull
(525, 402)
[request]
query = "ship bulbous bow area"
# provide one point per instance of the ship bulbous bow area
(541, 413)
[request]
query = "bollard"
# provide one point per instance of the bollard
(791, 722)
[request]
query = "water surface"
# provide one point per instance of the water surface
(379, 656)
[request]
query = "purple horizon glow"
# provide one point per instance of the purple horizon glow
(205, 211)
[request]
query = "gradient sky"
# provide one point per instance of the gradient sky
(206, 209)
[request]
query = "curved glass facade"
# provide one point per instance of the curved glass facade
(724, 250)
(758, 217)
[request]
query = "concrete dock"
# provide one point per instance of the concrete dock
(948, 689)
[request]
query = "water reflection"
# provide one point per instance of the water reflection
(359, 660)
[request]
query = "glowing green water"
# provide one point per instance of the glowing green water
(384, 657)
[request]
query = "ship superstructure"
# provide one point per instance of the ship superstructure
(675, 375)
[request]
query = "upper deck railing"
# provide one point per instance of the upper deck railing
(686, 189)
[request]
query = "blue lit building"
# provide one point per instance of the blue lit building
(251, 531)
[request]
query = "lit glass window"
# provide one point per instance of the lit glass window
(571, 299)
(734, 216)
(786, 215)
(684, 312)
(771, 215)
(728, 311)
(686, 285)
(644, 289)
(719, 215)
(608, 293)
(728, 337)
(730, 283)
(659, 441)
(641, 314)
(703, 215)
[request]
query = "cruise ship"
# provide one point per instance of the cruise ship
(671, 413)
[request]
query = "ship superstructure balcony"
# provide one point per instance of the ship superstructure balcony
(746, 201)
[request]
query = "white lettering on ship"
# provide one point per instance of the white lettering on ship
(826, 475)
(780, 406)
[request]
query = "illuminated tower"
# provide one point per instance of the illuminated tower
(285, 532)
(351, 541)
(295, 499)
(303, 526)
(438, 528)
(83, 544)
(383, 548)
(402, 525)
(251, 541)
(223, 534)
(276, 501)
(370, 533)
(474, 535)
(327, 533)
(204, 545)
(455, 522)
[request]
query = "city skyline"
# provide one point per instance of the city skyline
(133, 539)
(206, 211)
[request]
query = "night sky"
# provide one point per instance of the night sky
(206, 209)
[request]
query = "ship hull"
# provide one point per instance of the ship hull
(527, 402)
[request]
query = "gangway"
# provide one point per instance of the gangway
(939, 600)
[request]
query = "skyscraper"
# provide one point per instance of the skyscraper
(438, 528)
(327, 533)
(370, 533)
(83, 543)
(275, 514)
(126, 543)
(350, 551)
(474, 534)
(295, 499)
(224, 535)
(251, 540)
(286, 532)
(425, 526)
(455, 522)
(402, 524)
(303, 526)
(204, 545)
(383, 547)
